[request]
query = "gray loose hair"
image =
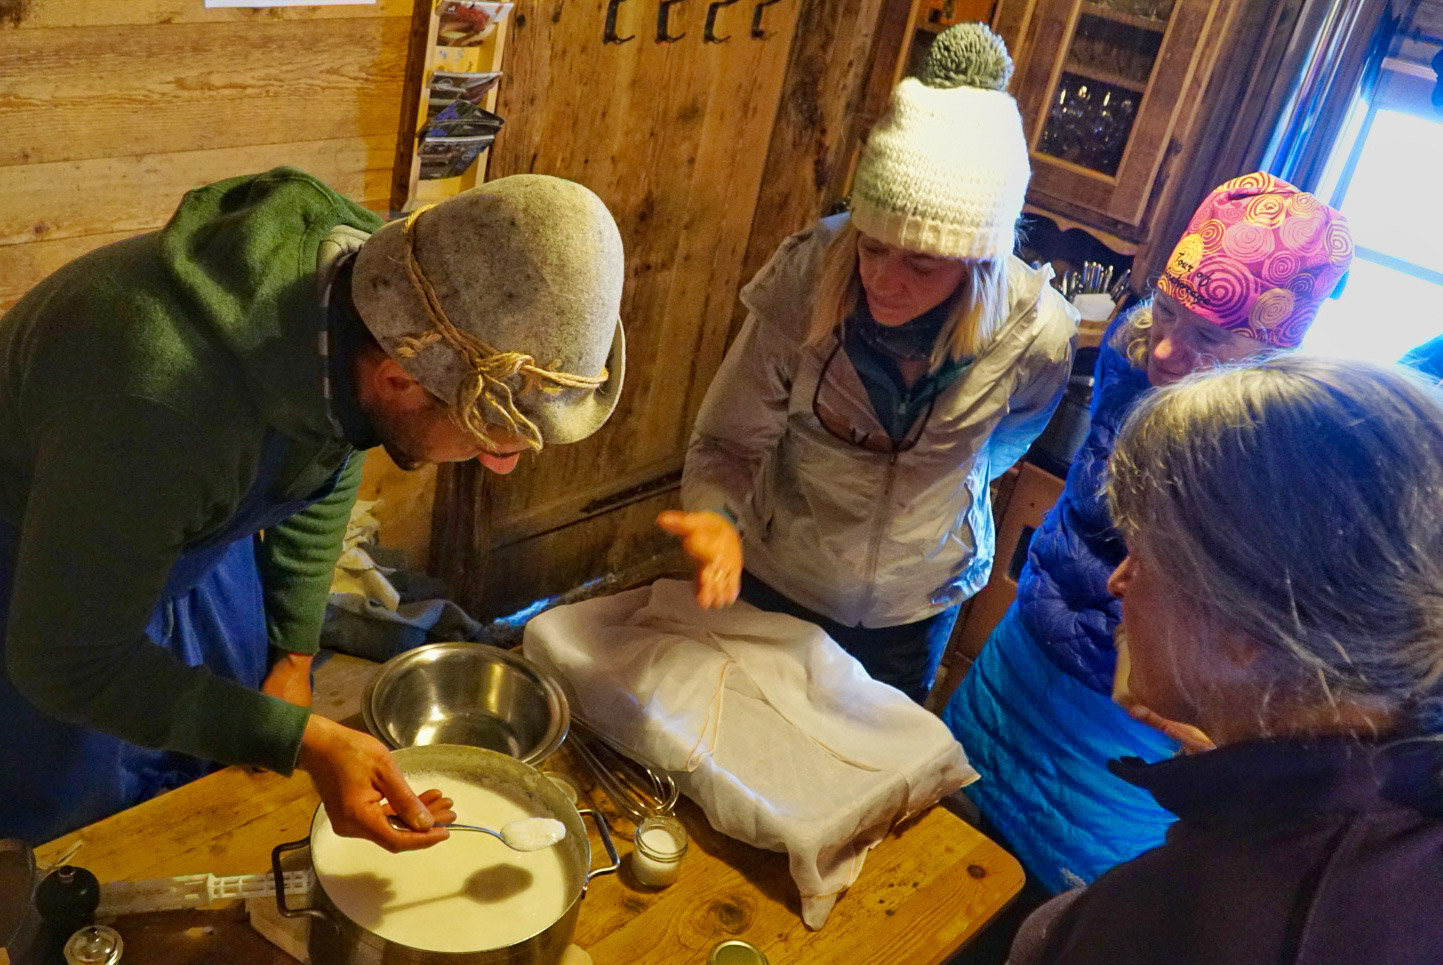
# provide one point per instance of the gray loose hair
(1299, 501)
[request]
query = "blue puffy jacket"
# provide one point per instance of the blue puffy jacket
(1062, 596)
(1035, 712)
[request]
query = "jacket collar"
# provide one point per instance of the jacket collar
(1277, 779)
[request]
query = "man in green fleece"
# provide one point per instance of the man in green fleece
(181, 416)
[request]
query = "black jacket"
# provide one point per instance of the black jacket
(1286, 851)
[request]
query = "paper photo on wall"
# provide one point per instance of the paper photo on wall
(467, 23)
(290, 3)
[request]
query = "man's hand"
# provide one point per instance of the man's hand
(290, 679)
(361, 784)
(714, 544)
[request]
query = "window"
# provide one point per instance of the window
(1383, 174)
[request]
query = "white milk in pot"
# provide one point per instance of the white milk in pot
(469, 893)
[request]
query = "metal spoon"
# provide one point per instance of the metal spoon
(526, 834)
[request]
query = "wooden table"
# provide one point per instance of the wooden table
(922, 894)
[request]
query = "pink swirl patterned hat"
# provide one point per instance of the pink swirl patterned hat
(1258, 257)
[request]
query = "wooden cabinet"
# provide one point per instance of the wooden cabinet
(1102, 87)
(1128, 108)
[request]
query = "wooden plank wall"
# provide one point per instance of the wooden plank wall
(112, 109)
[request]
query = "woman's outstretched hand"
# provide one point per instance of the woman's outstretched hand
(713, 542)
(361, 784)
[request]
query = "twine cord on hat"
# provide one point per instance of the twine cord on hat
(486, 388)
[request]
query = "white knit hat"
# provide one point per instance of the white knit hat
(946, 171)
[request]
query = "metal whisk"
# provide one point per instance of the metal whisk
(637, 787)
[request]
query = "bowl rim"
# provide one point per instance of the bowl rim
(557, 704)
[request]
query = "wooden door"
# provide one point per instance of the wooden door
(711, 135)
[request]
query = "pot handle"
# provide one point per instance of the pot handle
(606, 843)
(280, 877)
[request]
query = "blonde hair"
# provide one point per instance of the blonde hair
(1299, 502)
(981, 305)
(1136, 334)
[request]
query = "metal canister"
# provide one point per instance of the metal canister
(94, 945)
(734, 951)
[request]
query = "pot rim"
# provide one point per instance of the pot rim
(437, 758)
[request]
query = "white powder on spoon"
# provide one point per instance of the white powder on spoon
(532, 834)
(466, 894)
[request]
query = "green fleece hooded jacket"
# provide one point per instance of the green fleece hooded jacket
(137, 386)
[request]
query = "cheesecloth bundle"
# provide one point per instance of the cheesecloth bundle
(762, 719)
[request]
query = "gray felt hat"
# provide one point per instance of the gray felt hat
(525, 275)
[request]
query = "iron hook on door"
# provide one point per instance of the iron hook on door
(663, 14)
(757, 29)
(709, 35)
(610, 36)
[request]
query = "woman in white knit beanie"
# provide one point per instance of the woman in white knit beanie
(895, 361)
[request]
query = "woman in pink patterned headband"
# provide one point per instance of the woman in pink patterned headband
(1256, 261)
(1036, 711)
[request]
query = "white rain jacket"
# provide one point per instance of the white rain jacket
(862, 537)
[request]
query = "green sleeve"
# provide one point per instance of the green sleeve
(297, 559)
(120, 485)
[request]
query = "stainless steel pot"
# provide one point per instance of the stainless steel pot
(336, 939)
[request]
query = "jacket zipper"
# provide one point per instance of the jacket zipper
(874, 547)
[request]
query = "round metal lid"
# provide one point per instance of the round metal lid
(94, 945)
(734, 951)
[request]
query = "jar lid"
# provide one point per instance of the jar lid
(734, 951)
(94, 945)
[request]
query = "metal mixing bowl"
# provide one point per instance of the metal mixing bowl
(467, 693)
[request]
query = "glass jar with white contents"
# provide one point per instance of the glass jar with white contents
(660, 845)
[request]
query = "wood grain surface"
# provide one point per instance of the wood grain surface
(923, 892)
(70, 97)
(115, 108)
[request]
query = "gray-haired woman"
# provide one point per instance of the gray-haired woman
(1283, 595)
